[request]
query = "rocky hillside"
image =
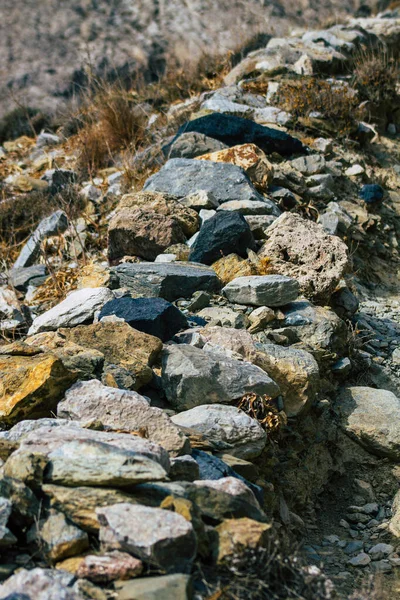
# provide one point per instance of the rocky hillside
(200, 333)
(48, 47)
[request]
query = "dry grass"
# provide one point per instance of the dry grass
(337, 103)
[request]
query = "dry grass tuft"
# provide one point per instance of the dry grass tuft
(264, 410)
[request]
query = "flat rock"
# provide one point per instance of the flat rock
(244, 435)
(154, 316)
(192, 377)
(233, 130)
(181, 177)
(302, 249)
(166, 280)
(161, 538)
(222, 234)
(93, 463)
(265, 290)
(78, 307)
(252, 207)
(31, 386)
(40, 584)
(109, 567)
(370, 416)
(176, 586)
(121, 410)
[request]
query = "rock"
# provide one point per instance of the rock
(309, 165)
(301, 249)
(224, 316)
(44, 140)
(121, 410)
(394, 524)
(58, 179)
(266, 290)
(353, 547)
(136, 232)
(162, 204)
(224, 233)
(232, 130)
(78, 307)
(354, 170)
(181, 177)
(252, 207)
(168, 587)
(372, 193)
(344, 302)
(361, 560)
(161, 538)
(200, 200)
(54, 225)
(60, 538)
(92, 463)
(260, 317)
(168, 281)
(231, 266)
(250, 158)
(40, 584)
(380, 551)
(238, 535)
(335, 220)
(184, 468)
(109, 567)
(128, 354)
(193, 377)
(231, 486)
(237, 341)
(218, 103)
(341, 367)
(370, 417)
(11, 312)
(23, 277)
(244, 435)
(296, 372)
(154, 316)
(31, 386)
(192, 144)
(199, 301)
(273, 115)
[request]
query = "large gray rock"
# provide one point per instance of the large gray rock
(77, 308)
(40, 584)
(162, 538)
(168, 587)
(371, 417)
(192, 377)
(121, 410)
(180, 177)
(302, 249)
(100, 464)
(265, 290)
(166, 280)
(53, 225)
(218, 423)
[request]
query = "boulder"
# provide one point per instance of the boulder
(61, 539)
(233, 130)
(181, 177)
(94, 463)
(166, 280)
(53, 225)
(31, 386)
(161, 538)
(121, 410)
(176, 586)
(371, 417)
(137, 232)
(302, 249)
(237, 535)
(244, 436)
(78, 307)
(40, 584)
(109, 567)
(193, 377)
(222, 234)
(263, 290)
(154, 316)
(250, 158)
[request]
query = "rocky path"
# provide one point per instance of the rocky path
(217, 384)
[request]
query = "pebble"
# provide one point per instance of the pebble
(361, 560)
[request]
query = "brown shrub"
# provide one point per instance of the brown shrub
(335, 101)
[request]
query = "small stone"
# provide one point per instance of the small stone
(380, 551)
(354, 170)
(53, 225)
(235, 535)
(382, 566)
(361, 560)
(266, 290)
(109, 567)
(61, 539)
(309, 165)
(199, 200)
(353, 547)
(184, 468)
(372, 193)
(167, 587)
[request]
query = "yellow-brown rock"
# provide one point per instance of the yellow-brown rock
(232, 266)
(235, 535)
(248, 156)
(71, 565)
(163, 204)
(31, 386)
(93, 276)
